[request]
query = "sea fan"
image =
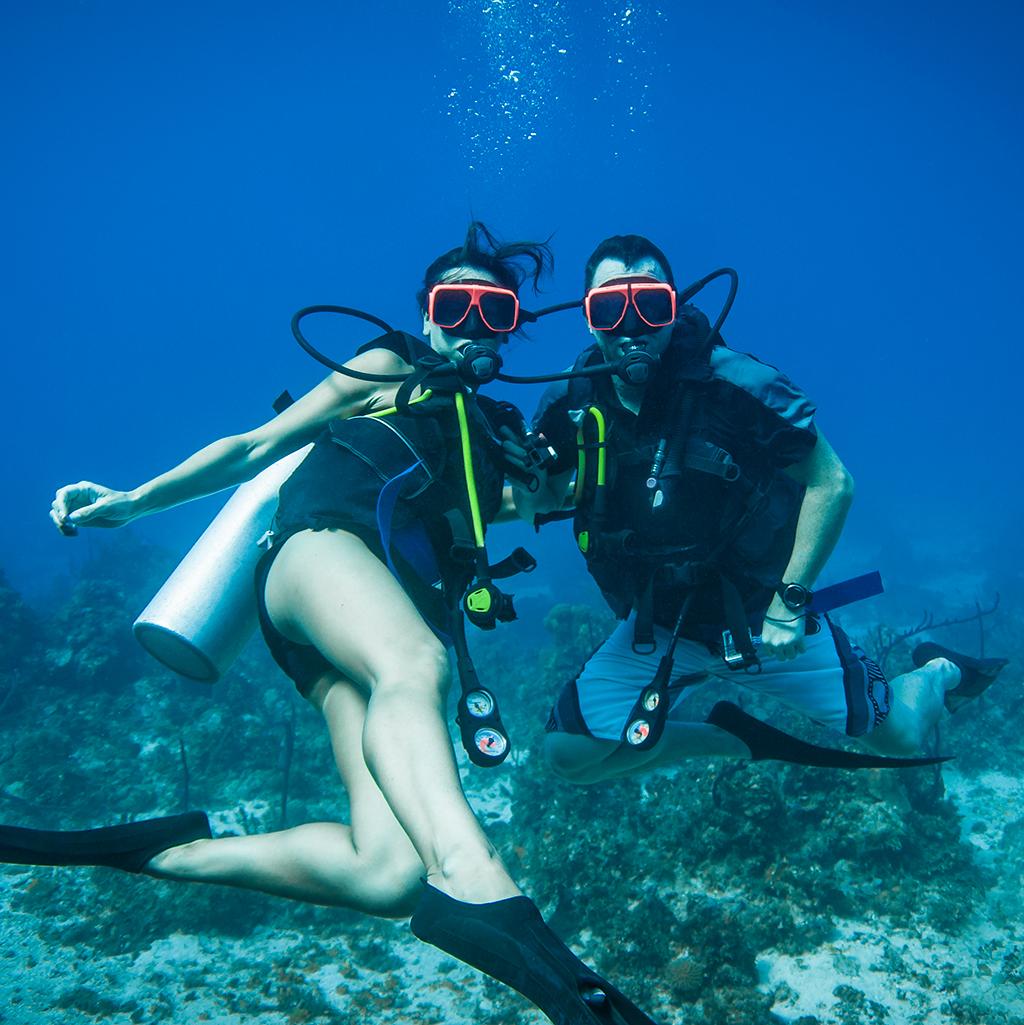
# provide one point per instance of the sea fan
(685, 975)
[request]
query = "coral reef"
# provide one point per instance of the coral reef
(713, 892)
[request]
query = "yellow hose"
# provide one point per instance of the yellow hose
(467, 462)
(394, 409)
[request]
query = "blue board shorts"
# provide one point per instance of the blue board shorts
(832, 682)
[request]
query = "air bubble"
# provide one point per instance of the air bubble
(509, 58)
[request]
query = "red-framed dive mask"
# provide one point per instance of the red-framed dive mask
(449, 304)
(653, 301)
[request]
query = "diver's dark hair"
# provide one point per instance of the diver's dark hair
(511, 263)
(631, 250)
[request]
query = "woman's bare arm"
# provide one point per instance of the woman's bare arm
(229, 461)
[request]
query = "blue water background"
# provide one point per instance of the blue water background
(179, 178)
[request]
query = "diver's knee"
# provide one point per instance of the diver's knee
(394, 885)
(567, 756)
(405, 887)
(424, 669)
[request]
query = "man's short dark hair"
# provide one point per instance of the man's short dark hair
(631, 250)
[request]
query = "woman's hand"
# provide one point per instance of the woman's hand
(227, 461)
(91, 505)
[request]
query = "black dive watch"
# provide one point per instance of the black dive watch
(795, 597)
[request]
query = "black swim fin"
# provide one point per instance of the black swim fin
(127, 847)
(976, 674)
(767, 742)
(509, 940)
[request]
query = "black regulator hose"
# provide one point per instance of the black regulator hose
(313, 351)
(476, 375)
(597, 369)
(690, 291)
(479, 363)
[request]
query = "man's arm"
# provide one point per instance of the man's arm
(827, 499)
(826, 502)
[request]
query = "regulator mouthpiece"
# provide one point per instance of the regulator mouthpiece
(479, 363)
(636, 366)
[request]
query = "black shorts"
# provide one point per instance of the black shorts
(303, 663)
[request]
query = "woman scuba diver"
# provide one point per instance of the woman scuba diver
(349, 612)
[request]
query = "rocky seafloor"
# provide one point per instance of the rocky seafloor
(731, 893)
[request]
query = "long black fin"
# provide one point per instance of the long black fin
(127, 847)
(976, 674)
(509, 940)
(767, 742)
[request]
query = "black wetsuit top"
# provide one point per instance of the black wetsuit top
(338, 484)
(744, 407)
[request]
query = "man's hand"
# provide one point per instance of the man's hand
(782, 636)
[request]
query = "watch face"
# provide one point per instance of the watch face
(795, 596)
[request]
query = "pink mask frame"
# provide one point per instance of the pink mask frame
(628, 292)
(475, 293)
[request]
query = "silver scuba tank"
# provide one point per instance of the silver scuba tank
(201, 618)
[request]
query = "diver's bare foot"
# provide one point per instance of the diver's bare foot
(976, 674)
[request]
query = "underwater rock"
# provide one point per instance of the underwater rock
(855, 1008)
(88, 1001)
(718, 929)
(735, 1006)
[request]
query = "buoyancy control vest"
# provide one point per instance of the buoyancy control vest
(417, 453)
(419, 482)
(660, 501)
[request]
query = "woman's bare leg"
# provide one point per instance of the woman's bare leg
(327, 589)
(369, 865)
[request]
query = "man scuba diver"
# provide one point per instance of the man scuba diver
(706, 503)
(377, 539)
